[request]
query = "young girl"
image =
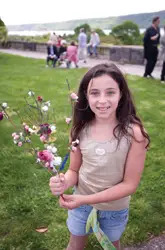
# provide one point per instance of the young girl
(106, 167)
(71, 54)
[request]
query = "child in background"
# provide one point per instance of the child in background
(107, 166)
(72, 54)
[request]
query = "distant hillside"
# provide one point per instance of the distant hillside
(142, 20)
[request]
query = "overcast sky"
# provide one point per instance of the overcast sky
(40, 11)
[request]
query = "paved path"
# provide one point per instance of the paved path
(157, 243)
(126, 68)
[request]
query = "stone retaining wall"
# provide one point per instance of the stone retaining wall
(121, 54)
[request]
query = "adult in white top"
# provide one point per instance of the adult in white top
(93, 44)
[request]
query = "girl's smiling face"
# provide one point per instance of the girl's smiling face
(103, 95)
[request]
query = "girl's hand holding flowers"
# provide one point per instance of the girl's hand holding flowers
(58, 184)
(72, 201)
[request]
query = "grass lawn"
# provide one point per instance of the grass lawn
(26, 202)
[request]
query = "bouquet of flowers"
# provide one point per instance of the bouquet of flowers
(39, 121)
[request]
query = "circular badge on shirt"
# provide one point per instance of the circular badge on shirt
(100, 151)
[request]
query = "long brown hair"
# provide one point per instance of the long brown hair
(125, 113)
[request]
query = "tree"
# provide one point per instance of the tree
(86, 27)
(128, 32)
(100, 32)
(3, 32)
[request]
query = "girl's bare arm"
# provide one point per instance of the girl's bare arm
(71, 176)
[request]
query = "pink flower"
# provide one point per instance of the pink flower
(47, 164)
(39, 98)
(13, 134)
(26, 128)
(74, 96)
(45, 155)
(20, 144)
(43, 138)
(16, 137)
(74, 149)
(68, 120)
(1, 116)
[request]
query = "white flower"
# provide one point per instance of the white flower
(4, 105)
(31, 131)
(53, 128)
(57, 161)
(47, 103)
(15, 142)
(30, 93)
(49, 148)
(75, 142)
(45, 108)
(38, 160)
(54, 150)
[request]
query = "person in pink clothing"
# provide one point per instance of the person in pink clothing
(72, 54)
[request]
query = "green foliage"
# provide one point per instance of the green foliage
(26, 202)
(86, 27)
(109, 40)
(128, 33)
(3, 32)
(100, 32)
(37, 39)
(2, 23)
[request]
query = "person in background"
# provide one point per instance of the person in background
(62, 51)
(53, 38)
(59, 39)
(52, 54)
(82, 45)
(151, 41)
(93, 44)
(71, 54)
(162, 56)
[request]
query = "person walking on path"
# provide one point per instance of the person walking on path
(151, 41)
(82, 45)
(107, 163)
(162, 56)
(93, 44)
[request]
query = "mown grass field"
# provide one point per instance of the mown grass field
(26, 202)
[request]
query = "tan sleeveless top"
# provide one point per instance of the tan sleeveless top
(103, 165)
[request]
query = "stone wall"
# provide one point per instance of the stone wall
(121, 54)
